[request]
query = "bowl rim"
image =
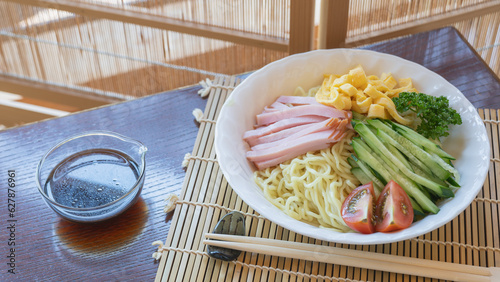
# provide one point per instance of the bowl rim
(135, 186)
(373, 240)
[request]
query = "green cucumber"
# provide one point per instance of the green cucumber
(413, 149)
(412, 159)
(432, 177)
(392, 149)
(447, 167)
(358, 116)
(376, 145)
(453, 182)
(417, 209)
(352, 162)
(364, 178)
(360, 175)
(377, 183)
(398, 155)
(366, 155)
(421, 140)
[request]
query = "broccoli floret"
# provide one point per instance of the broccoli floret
(434, 112)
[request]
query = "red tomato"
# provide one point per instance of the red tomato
(357, 209)
(393, 209)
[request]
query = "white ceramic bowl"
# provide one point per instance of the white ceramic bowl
(468, 142)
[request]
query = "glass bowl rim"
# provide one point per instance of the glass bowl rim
(121, 137)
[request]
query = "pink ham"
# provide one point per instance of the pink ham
(293, 126)
(297, 111)
(277, 135)
(276, 106)
(341, 127)
(312, 146)
(284, 135)
(293, 147)
(280, 125)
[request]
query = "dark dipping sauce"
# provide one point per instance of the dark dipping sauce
(91, 178)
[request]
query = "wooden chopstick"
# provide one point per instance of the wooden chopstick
(354, 258)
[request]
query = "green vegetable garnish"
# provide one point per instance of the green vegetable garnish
(434, 112)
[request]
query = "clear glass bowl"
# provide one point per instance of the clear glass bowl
(92, 176)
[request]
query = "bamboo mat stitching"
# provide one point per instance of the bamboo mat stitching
(174, 201)
(198, 115)
(188, 157)
(491, 121)
(208, 85)
(491, 201)
(477, 248)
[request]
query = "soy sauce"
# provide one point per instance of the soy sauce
(92, 178)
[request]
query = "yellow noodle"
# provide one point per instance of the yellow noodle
(312, 187)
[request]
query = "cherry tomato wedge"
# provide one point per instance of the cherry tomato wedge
(357, 209)
(393, 209)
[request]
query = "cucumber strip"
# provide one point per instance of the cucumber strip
(378, 153)
(392, 149)
(352, 162)
(377, 183)
(414, 150)
(377, 146)
(412, 159)
(360, 175)
(447, 167)
(453, 182)
(355, 121)
(417, 209)
(418, 139)
(398, 155)
(365, 154)
(358, 116)
(432, 177)
(364, 178)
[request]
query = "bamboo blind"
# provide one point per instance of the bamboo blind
(132, 48)
(367, 16)
(471, 238)
(122, 57)
(477, 20)
(271, 19)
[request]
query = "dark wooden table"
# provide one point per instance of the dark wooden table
(48, 248)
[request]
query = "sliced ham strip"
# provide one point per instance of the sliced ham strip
(297, 111)
(289, 134)
(297, 100)
(277, 135)
(292, 154)
(341, 126)
(280, 125)
(293, 126)
(294, 147)
(276, 106)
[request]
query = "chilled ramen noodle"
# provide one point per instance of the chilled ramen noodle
(313, 186)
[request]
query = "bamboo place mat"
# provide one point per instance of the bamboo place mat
(471, 238)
